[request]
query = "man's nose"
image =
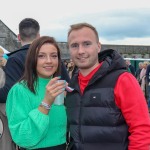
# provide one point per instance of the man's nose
(81, 49)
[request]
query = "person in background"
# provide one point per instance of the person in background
(5, 56)
(71, 68)
(137, 74)
(106, 109)
(130, 67)
(65, 63)
(29, 30)
(2, 77)
(2, 59)
(148, 85)
(34, 122)
(143, 77)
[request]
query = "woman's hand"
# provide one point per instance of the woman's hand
(53, 89)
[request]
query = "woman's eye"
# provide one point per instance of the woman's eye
(54, 56)
(41, 56)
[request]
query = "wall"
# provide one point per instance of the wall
(133, 51)
(8, 39)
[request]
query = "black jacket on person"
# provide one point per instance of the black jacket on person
(14, 70)
(132, 70)
(148, 74)
(94, 120)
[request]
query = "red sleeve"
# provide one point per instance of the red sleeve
(130, 99)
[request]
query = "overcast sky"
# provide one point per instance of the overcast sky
(124, 22)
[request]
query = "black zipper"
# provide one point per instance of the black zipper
(80, 113)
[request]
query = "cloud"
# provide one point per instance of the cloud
(125, 24)
(115, 21)
(111, 25)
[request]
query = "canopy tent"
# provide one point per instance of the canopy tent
(5, 51)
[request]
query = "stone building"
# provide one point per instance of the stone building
(8, 40)
(131, 51)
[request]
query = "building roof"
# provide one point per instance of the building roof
(8, 27)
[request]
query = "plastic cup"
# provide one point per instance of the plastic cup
(59, 100)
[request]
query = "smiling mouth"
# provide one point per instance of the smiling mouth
(82, 58)
(48, 67)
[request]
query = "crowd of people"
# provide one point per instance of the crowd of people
(71, 67)
(104, 109)
(142, 75)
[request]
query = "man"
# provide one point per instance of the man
(28, 31)
(130, 67)
(107, 109)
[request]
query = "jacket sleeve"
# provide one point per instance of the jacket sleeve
(132, 70)
(130, 99)
(25, 121)
(13, 71)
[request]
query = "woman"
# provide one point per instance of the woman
(34, 122)
(142, 77)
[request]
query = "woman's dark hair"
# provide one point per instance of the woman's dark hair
(30, 74)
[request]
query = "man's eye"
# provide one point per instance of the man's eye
(85, 44)
(75, 45)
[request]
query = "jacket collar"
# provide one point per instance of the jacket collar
(112, 61)
(25, 47)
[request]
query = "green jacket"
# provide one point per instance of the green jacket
(29, 127)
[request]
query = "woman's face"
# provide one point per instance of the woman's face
(47, 61)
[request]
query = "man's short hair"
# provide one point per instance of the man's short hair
(82, 25)
(28, 29)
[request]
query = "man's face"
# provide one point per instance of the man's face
(84, 48)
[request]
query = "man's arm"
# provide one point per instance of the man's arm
(13, 71)
(130, 99)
